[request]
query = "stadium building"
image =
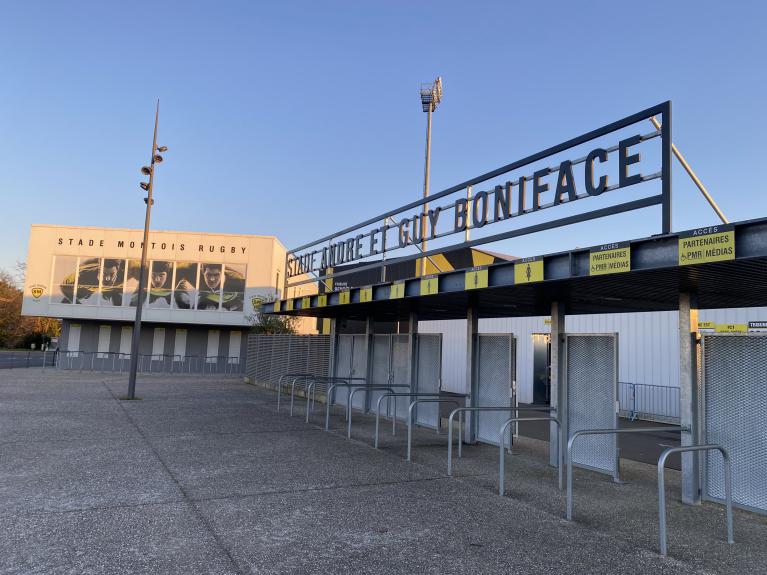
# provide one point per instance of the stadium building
(203, 290)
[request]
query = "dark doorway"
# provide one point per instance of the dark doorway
(541, 368)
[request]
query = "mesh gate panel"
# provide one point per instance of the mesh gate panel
(380, 368)
(343, 366)
(359, 367)
(400, 370)
(735, 403)
(592, 390)
(429, 373)
(494, 379)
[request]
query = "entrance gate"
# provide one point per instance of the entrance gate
(496, 382)
(591, 397)
(429, 377)
(733, 406)
(390, 361)
(351, 361)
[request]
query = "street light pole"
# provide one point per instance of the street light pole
(431, 96)
(135, 340)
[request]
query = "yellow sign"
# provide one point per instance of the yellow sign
(610, 259)
(429, 286)
(326, 326)
(706, 326)
(306, 302)
(366, 294)
(397, 290)
(289, 305)
(277, 306)
(476, 279)
(344, 297)
(322, 300)
(705, 245)
(547, 321)
(731, 327)
(528, 270)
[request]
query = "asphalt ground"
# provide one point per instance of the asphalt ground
(204, 476)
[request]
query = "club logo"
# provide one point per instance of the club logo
(37, 291)
(256, 302)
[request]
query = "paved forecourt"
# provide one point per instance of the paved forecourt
(204, 476)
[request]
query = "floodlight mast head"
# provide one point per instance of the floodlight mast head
(431, 95)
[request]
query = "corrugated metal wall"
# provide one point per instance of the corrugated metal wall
(648, 343)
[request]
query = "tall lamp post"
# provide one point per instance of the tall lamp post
(431, 96)
(156, 158)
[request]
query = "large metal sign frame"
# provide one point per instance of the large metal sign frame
(358, 242)
(733, 415)
(584, 407)
(496, 383)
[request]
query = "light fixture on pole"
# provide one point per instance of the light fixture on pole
(155, 158)
(431, 96)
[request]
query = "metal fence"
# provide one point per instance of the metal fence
(649, 402)
(24, 359)
(270, 356)
(115, 362)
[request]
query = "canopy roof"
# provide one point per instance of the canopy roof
(653, 283)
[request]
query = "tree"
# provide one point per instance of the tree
(17, 330)
(271, 324)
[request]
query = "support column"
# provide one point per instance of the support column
(369, 330)
(688, 395)
(472, 328)
(558, 391)
(333, 348)
(412, 331)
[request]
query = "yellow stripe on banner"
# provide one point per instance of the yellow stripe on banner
(366, 294)
(397, 290)
(289, 305)
(429, 286)
(344, 297)
(476, 279)
(528, 270)
(322, 300)
(277, 306)
(306, 302)
(731, 327)
(326, 326)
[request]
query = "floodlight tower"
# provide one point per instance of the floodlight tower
(155, 158)
(431, 96)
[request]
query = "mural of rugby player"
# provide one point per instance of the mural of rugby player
(88, 283)
(112, 282)
(160, 284)
(186, 277)
(234, 287)
(209, 295)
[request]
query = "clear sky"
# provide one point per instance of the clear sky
(299, 118)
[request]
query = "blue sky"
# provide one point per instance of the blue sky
(299, 118)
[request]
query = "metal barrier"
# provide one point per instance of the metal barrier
(279, 383)
(329, 398)
(118, 362)
(662, 488)
(502, 462)
(366, 389)
(394, 418)
(461, 410)
(312, 387)
(28, 358)
(410, 418)
(649, 402)
(582, 432)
